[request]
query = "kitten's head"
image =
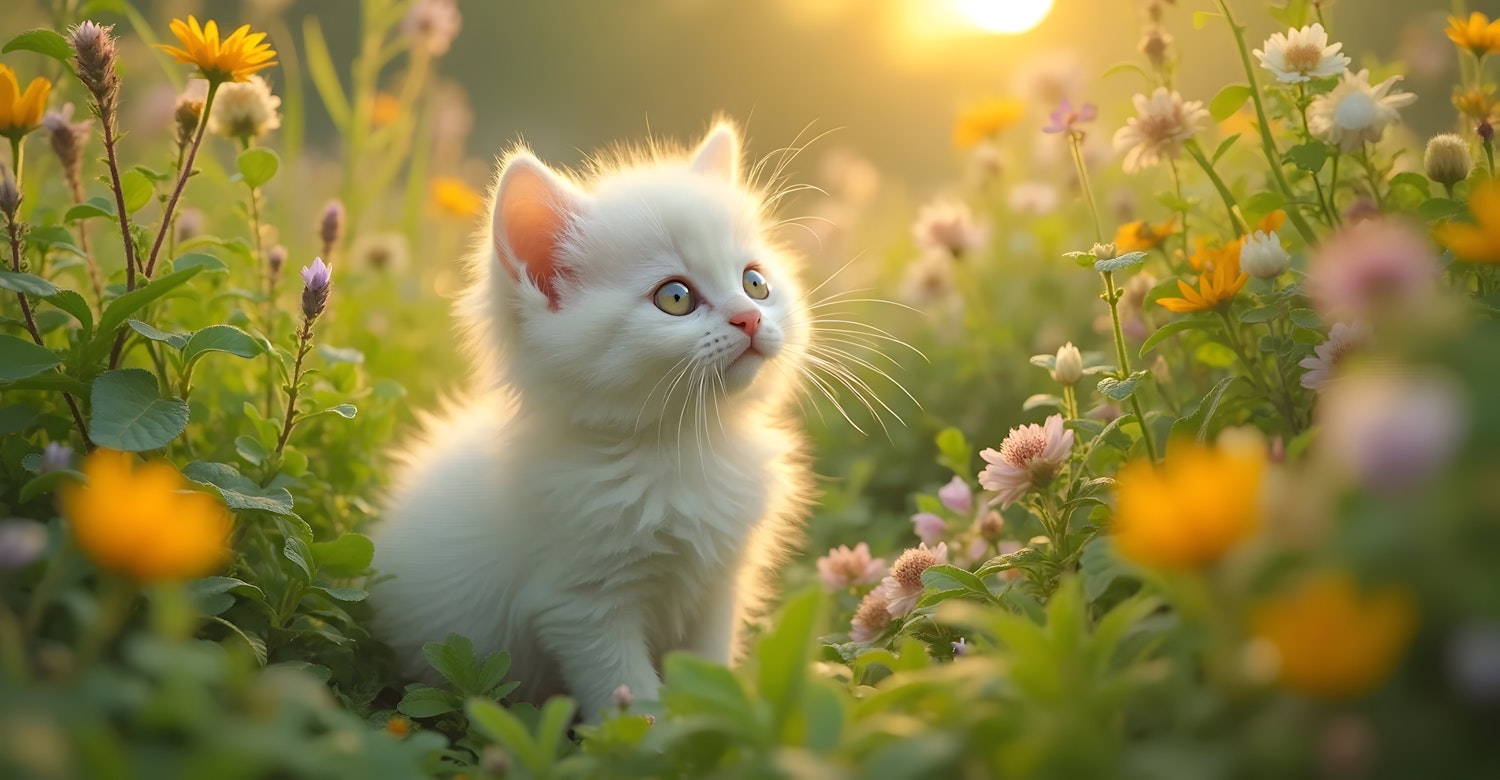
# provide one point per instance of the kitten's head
(651, 286)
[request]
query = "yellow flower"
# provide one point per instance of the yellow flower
(233, 59)
(1271, 222)
(21, 112)
(1211, 253)
(1480, 242)
(1141, 235)
(457, 198)
(1331, 640)
(1219, 281)
(1475, 103)
(1479, 34)
(384, 110)
(985, 119)
(1188, 511)
(143, 522)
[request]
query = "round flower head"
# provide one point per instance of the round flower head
(245, 109)
(1262, 255)
(843, 568)
(1447, 159)
(1369, 265)
(902, 588)
(1302, 55)
(1355, 113)
(870, 618)
(1162, 123)
(1030, 456)
(1343, 339)
(948, 225)
(433, 24)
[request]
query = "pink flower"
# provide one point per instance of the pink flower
(1392, 428)
(1030, 456)
(903, 586)
(870, 618)
(844, 568)
(1067, 118)
(949, 225)
(1369, 265)
(957, 495)
(928, 527)
(1323, 366)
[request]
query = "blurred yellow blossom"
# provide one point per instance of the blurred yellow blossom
(1331, 640)
(985, 119)
(1479, 242)
(1189, 510)
(143, 522)
(1141, 235)
(1271, 222)
(1210, 252)
(385, 109)
(1478, 34)
(21, 112)
(1218, 283)
(233, 59)
(1476, 103)
(456, 197)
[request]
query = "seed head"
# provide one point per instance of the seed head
(95, 53)
(1447, 159)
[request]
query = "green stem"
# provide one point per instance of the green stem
(1235, 220)
(1333, 188)
(17, 150)
(182, 177)
(1074, 139)
(1307, 136)
(1112, 297)
(1232, 335)
(304, 345)
(1268, 142)
(1182, 203)
(1369, 166)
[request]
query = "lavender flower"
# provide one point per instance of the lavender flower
(331, 226)
(316, 283)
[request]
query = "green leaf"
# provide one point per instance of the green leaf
(20, 359)
(27, 283)
(1412, 180)
(1041, 400)
(130, 413)
(344, 594)
(1306, 318)
(1201, 18)
(74, 304)
(1434, 209)
(1260, 314)
(347, 556)
(250, 448)
(257, 166)
(1224, 146)
(1309, 156)
(199, 260)
(238, 491)
(1120, 263)
(1118, 389)
(94, 207)
(1264, 202)
(1198, 423)
(954, 450)
(325, 78)
(424, 701)
(492, 672)
(944, 577)
(137, 189)
(1126, 67)
(174, 340)
(496, 723)
(54, 237)
(784, 652)
(295, 550)
(121, 308)
(1175, 327)
(222, 338)
(46, 483)
(41, 41)
(453, 658)
(1229, 99)
(1048, 361)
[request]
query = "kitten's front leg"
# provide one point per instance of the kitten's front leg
(712, 635)
(597, 652)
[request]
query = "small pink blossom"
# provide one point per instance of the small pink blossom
(1030, 456)
(928, 527)
(1392, 428)
(1323, 366)
(957, 495)
(949, 225)
(623, 697)
(843, 568)
(870, 618)
(902, 588)
(1369, 265)
(1067, 118)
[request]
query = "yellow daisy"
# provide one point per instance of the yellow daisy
(1478, 34)
(985, 119)
(1141, 235)
(1219, 282)
(21, 112)
(233, 59)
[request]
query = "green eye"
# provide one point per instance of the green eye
(755, 285)
(675, 299)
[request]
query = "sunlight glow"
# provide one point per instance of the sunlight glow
(1004, 16)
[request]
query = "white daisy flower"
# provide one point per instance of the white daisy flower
(1302, 55)
(1355, 112)
(245, 109)
(1323, 366)
(1164, 122)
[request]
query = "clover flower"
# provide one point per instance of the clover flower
(1343, 339)
(843, 568)
(245, 109)
(1030, 457)
(1164, 120)
(1447, 159)
(1262, 255)
(1356, 113)
(870, 618)
(1392, 428)
(902, 588)
(1300, 55)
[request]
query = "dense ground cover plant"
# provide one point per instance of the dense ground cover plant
(1234, 517)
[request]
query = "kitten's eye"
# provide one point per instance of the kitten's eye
(756, 285)
(675, 299)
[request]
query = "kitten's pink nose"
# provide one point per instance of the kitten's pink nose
(748, 321)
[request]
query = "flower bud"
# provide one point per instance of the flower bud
(94, 53)
(1155, 45)
(991, 526)
(960, 648)
(188, 223)
(494, 761)
(623, 697)
(21, 542)
(10, 194)
(1447, 159)
(1485, 131)
(68, 139)
(1262, 255)
(189, 110)
(1104, 251)
(331, 226)
(56, 457)
(1069, 366)
(316, 282)
(957, 495)
(276, 258)
(928, 527)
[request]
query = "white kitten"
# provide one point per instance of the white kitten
(626, 481)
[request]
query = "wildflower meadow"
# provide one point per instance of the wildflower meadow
(1165, 447)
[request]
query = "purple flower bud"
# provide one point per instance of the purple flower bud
(21, 542)
(276, 258)
(960, 648)
(957, 495)
(331, 226)
(316, 281)
(1486, 131)
(929, 527)
(10, 193)
(56, 457)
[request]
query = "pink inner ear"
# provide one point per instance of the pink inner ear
(534, 217)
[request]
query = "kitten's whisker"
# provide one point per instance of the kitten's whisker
(836, 352)
(858, 387)
(799, 392)
(647, 400)
(829, 394)
(830, 302)
(819, 328)
(666, 400)
(831, 277)
(859, 342)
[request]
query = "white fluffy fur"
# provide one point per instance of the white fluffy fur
(620, 486)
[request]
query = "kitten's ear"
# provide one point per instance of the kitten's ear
(533, 208)
(719, 154)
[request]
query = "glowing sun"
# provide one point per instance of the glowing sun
(1004, 16)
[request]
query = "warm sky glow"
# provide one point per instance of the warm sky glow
(1004, 16)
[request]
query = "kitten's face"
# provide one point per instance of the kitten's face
(664, 300)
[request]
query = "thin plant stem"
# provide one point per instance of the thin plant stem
(1236, 220)
(1268, 142)
(1232, 335)
(1182, 202)
(1083, 182)
(182, 177)
(1333, 188)
(304, 345)
(1369, 166)
(1307, 136)
(127, 243)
